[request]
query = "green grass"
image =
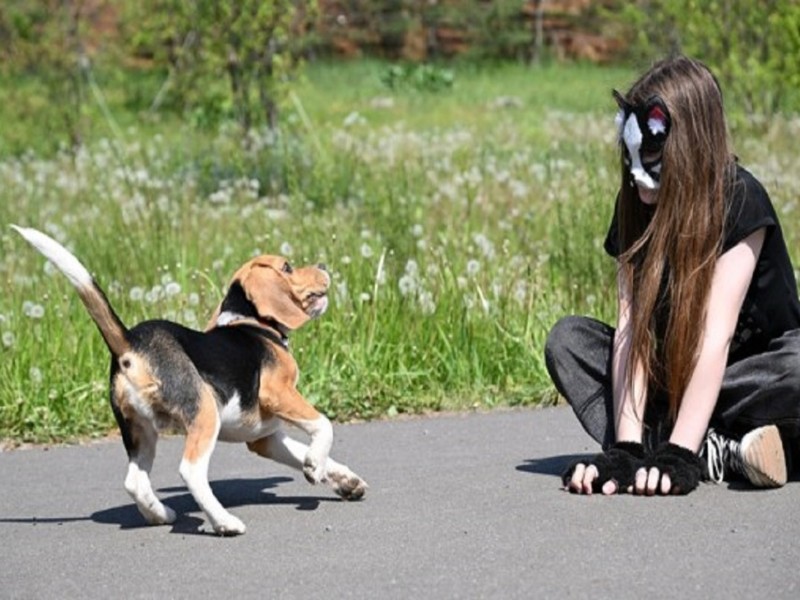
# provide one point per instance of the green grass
(457, 232)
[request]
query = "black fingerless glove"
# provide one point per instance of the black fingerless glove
(684, 467)
(619, 463)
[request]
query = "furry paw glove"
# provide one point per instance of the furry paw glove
(619, 463)
(684, 467)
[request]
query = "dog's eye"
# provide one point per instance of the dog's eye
(287, 268)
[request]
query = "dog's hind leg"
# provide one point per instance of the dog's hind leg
(285, 450)
(201, 437)
(141, 453)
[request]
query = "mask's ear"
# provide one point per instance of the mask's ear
(658, 118)
(623, 104)
(273, 297)
(624, 108)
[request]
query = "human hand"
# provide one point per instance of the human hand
(607, 472)
(670, 470)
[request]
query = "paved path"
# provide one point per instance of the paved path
(459, 506)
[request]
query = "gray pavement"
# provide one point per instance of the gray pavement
(459, 506)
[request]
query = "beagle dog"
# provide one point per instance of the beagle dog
(234, 382)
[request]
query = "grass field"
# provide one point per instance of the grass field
(458, 227)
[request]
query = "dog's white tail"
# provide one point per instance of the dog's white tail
(111, 328)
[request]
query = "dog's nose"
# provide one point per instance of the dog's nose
(322, 267)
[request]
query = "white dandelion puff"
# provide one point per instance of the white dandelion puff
(136, 294)
(473, 267)
(8, 339)
(32, 310)
(426, 303)
(173, 288)
(407, 285)
(35, 375)
(286, 249)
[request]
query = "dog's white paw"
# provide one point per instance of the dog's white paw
(347, 484)
(229, 525)
(158, 514)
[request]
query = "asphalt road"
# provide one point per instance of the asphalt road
(459, 506)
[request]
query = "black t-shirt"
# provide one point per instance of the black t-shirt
(771, 306)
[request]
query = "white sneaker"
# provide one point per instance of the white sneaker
(759, 457)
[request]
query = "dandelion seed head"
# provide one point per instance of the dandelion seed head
(8, 339)
(520, 292)
(473, 267)
(426, 302)
(286, 249)
(173, 288)
(136, 294)
(35, 375)
(366, 251)
(407, 285)
(32, 310)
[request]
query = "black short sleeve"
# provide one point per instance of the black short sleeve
(749, 209)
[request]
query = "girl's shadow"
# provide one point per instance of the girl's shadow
(550, 465)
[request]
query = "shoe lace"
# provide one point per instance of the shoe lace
(721, 453)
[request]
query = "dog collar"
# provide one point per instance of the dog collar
(229, 318)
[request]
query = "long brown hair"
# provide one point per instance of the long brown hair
(668, 256)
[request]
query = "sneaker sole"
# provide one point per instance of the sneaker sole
(763, 457)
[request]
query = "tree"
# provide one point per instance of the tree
(45, 40)
(753, 47)
(253, 45)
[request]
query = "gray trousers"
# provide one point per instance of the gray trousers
(759, 390)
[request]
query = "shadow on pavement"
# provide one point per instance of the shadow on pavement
(550, 465)
(230, 492)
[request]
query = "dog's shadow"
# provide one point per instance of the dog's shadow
(230, 492)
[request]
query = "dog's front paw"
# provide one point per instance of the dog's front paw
(345, 483)
(350, 487)
(229, 525)
(157, 514)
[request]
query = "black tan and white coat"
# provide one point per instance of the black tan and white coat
(234, 382)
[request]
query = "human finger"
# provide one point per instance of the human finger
(652, 480)
(666, 484)
(610, 487)
(576, 480)
(589, 476)
(641, 481)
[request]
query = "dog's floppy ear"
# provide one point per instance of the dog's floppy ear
(272, 295)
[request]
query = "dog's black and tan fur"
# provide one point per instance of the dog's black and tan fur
(234, 382)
